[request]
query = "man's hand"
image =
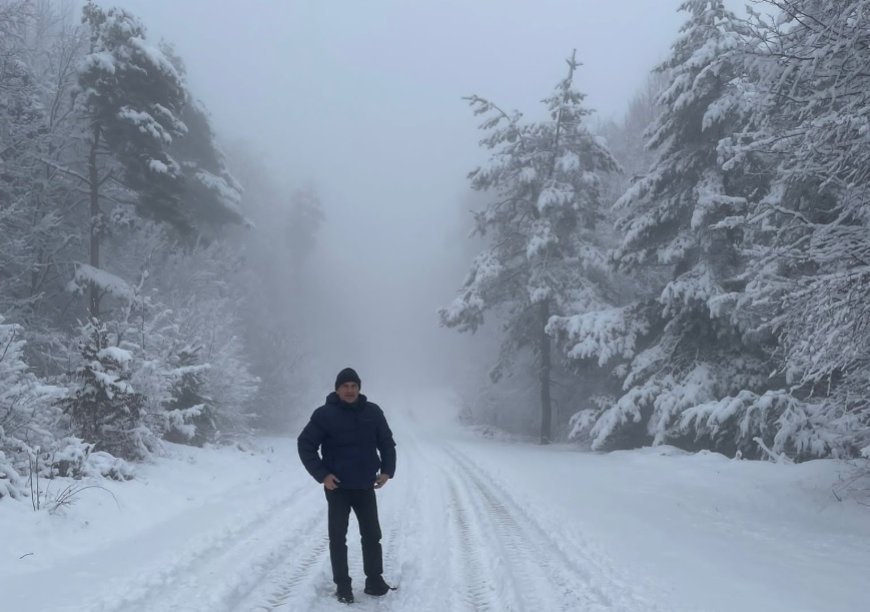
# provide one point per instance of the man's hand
(381, 480)
(331, 482)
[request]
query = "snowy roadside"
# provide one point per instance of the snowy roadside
(175, 506)
(710, 533)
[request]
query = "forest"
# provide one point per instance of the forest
(696, 274)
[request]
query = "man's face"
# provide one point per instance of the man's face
(348, 392)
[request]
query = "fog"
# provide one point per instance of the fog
(364, 100)
(669, 395)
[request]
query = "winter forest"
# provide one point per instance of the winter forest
(690, 272)
(694, 274)
(136, 300)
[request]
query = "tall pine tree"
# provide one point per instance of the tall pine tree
(132, 96)
(543, 247)
(686, 346)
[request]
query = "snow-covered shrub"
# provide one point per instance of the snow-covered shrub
(100, 464)
(104, 408)
(11, 482)
(68, 457)
(26, 413)
(754, 425)
(72, 457)
(190, 336)
(210, 365)
(231, 385)
(189, 415)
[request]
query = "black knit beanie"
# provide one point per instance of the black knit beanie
(347, 375)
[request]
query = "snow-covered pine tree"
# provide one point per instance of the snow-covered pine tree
(131, 96)
(543, 251)
(151, 333)
(189, 413)
(104, 408)
(686, 349)
(812, 256)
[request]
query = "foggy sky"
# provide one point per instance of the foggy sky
(363, 97)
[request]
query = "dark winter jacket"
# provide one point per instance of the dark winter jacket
(350, 437)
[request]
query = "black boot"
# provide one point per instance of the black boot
(377, 586)
(344, 593)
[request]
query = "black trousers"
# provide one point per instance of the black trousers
(365, 506)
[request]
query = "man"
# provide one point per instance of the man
(357, 456)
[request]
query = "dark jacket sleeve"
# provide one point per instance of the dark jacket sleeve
(308, 443)
(386, 446)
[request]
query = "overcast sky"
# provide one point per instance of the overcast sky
(364, 98)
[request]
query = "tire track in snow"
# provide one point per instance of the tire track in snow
(479, 591)
(389, 547)
(578, 579)
(224, 583)
(461, 559)
(412, 510)
(529, 558)
(448, 553)
(284, 592)
(267, 564)
(177, 578)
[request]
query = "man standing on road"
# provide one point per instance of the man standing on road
(357, 455)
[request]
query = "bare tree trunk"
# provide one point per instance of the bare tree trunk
(546, 404)
(96, 221)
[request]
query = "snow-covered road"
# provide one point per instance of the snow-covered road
(468, 524)
(454, 540)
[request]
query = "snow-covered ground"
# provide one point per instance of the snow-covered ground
(469, 524)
